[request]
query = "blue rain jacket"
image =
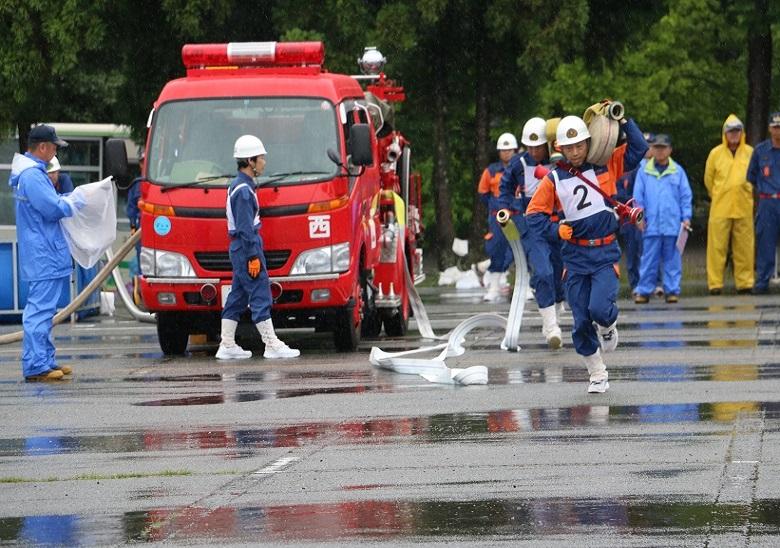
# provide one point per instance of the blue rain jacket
(666, 197)
(43, 251)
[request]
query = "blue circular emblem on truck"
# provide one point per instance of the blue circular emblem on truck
(162, 226)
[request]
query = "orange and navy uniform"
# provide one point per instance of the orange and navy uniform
(490, 180)
(518, 185)
(600, 224)
(496, 245)
(591, 256)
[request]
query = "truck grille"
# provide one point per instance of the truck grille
(219, 261)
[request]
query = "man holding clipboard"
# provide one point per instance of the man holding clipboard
(663, 190)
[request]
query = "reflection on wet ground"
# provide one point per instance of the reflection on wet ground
(647, 373)
(485, 343)
(441, 428)
(393, 519)
(78, 337)
(474, 298)
(64, 357)
(244, 396)
(357, 375)
(496, 376)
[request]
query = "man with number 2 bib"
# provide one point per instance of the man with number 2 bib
(590, 250)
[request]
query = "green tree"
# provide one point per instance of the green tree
(52, 64)
(684, 77)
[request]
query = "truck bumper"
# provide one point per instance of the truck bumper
(300, 301)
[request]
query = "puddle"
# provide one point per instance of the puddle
(395, 520)
(245, 396)
(646, 373)
(489, 343)
(102, 357)
(585, 421)
(113, 337)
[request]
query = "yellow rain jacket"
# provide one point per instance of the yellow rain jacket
(731, 213)
(724, 176)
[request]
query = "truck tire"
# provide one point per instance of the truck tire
(397, 323)
(371, 325)
(173, 332)
(346, 333)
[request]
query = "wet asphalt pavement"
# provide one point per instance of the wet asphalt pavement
(684, 449)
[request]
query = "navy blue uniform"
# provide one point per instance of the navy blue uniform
(245, 244)
(518, 185)
(764, 173)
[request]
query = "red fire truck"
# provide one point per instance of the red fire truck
(340, 205)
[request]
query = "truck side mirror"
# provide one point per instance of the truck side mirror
(360, 145)
(116, 159)
(334, 157)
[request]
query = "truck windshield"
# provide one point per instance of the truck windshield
(192, 141)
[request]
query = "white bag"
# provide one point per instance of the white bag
(92, 229)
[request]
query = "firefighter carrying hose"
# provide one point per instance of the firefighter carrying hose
(496, 245)
(518, 185)
(590, 250)
(251, 285)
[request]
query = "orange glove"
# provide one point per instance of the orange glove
(253, 266)
(564, 231)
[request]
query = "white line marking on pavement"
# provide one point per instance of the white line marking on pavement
(276, 466)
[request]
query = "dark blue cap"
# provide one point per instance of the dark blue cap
(774, 119)
(45, 134)
(662, 140)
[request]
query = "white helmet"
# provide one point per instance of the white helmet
(506, 141)
(571, 130)
(248, 146)
(534, 132)
(54, 165)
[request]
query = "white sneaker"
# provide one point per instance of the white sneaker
(608, 336)
(550, 328)
(492, 297)
(554, 339)
(234, 352)
(598, 387)
(280, 351)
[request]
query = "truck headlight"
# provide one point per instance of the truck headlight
(331, 258)
(156, 262)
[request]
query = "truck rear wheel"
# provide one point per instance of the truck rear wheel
(346, 332)
(397, 322)
(371, 325)
(173, 332)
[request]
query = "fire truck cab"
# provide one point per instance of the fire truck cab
(339, 204)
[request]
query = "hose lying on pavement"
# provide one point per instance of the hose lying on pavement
(435, 369)
(104, 273)
(127, 300)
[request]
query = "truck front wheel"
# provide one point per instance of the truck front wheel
(173, 333)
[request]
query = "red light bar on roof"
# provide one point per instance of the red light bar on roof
(256, 54)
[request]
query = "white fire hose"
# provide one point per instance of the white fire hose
(127, 300)
(435, 369)
(104, 273)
